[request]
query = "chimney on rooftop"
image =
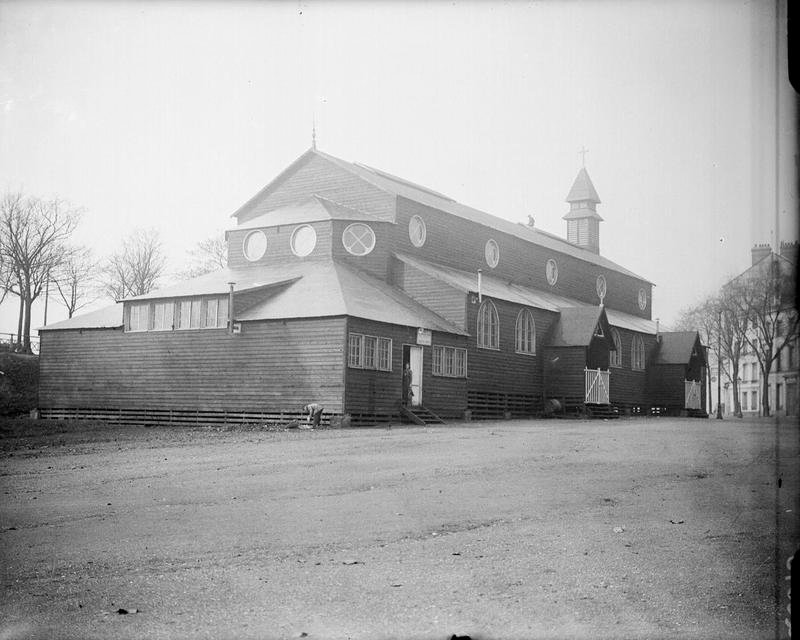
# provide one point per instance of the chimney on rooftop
(789, 251)
(759, 252)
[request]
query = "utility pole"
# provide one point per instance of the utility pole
(719, 366)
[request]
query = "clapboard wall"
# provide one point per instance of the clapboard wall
(379, 393)
(271, 366)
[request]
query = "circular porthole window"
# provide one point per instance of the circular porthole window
(254, 245)
(492, 253)
(358, 239)
(417, 231)
(304, 239)
(601, 287)
(551, 269)
(642, 299)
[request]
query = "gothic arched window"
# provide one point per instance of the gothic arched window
(526, 333)
(637, 353)
(615, 357)
(488, 326)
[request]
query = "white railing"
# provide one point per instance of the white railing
(692, 394)
(596, 386)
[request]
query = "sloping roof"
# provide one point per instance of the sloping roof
(334, 289)
(218, 282)
(502, 290)
(423, 195)
(105, 318)
(676, 347)
(576, 326)
(313, 209)
(582, 188)
(627, 321)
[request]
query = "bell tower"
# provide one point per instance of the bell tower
(583, 221)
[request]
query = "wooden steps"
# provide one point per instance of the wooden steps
(420, 415)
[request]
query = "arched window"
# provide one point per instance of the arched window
(488, 326)
(526, 333)
(615, 357)
(637, 353)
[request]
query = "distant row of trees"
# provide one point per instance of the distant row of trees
(754, 313)
(37, 253)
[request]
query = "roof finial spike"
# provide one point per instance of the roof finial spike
(313, 130)
(583, 151)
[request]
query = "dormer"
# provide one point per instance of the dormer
(583, 221)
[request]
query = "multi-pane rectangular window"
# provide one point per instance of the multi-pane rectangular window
(139, 316)
(450, 362)
(369, 352)
(163, 316)
(210, 312)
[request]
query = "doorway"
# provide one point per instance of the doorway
(412, 355)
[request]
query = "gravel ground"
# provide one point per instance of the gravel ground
(647, 528)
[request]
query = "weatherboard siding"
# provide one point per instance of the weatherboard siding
(564, 373)
(628, 387)
(372, 392)
(504, 370)
(279, 250)
(437, 296)
(318, 176)
(521, 262)
(270, 366)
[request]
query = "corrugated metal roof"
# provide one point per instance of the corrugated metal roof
(428, 197)
(313, 209)
(676, 347)
(582, 188)
(105, 318)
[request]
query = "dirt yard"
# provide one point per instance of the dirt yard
(649, 528)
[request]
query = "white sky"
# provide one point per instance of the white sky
(171, 115)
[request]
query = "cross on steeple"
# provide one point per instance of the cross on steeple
(313, 131)
(583, 151)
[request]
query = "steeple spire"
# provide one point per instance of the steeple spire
(583, 220)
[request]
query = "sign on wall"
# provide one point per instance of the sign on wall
(424, 336)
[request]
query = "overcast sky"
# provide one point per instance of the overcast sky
(171, 115)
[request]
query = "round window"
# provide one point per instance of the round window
(492, 253)
(642, 299)
(551, 269)
(358, 239)
(254, 245)
(417, 231)
(601, 287)
(304, 239)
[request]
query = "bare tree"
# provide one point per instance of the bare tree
(716, 319)
(74, 279)
(33, 237)
(763, 302)
(135, 269)
(206, 256)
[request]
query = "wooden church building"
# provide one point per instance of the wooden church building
(338, 276)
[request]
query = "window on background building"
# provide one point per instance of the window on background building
(449, 362)
(753, 400)
(526, 333)
(791, 355)
(754, 371)
(488, 326)
(369, 352)
(743, 401)
(637, 353)
(778, 396)
(615, 357)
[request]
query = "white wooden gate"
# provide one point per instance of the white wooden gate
(596, 386)
(692, 394)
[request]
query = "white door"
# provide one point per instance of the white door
(415, 359)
